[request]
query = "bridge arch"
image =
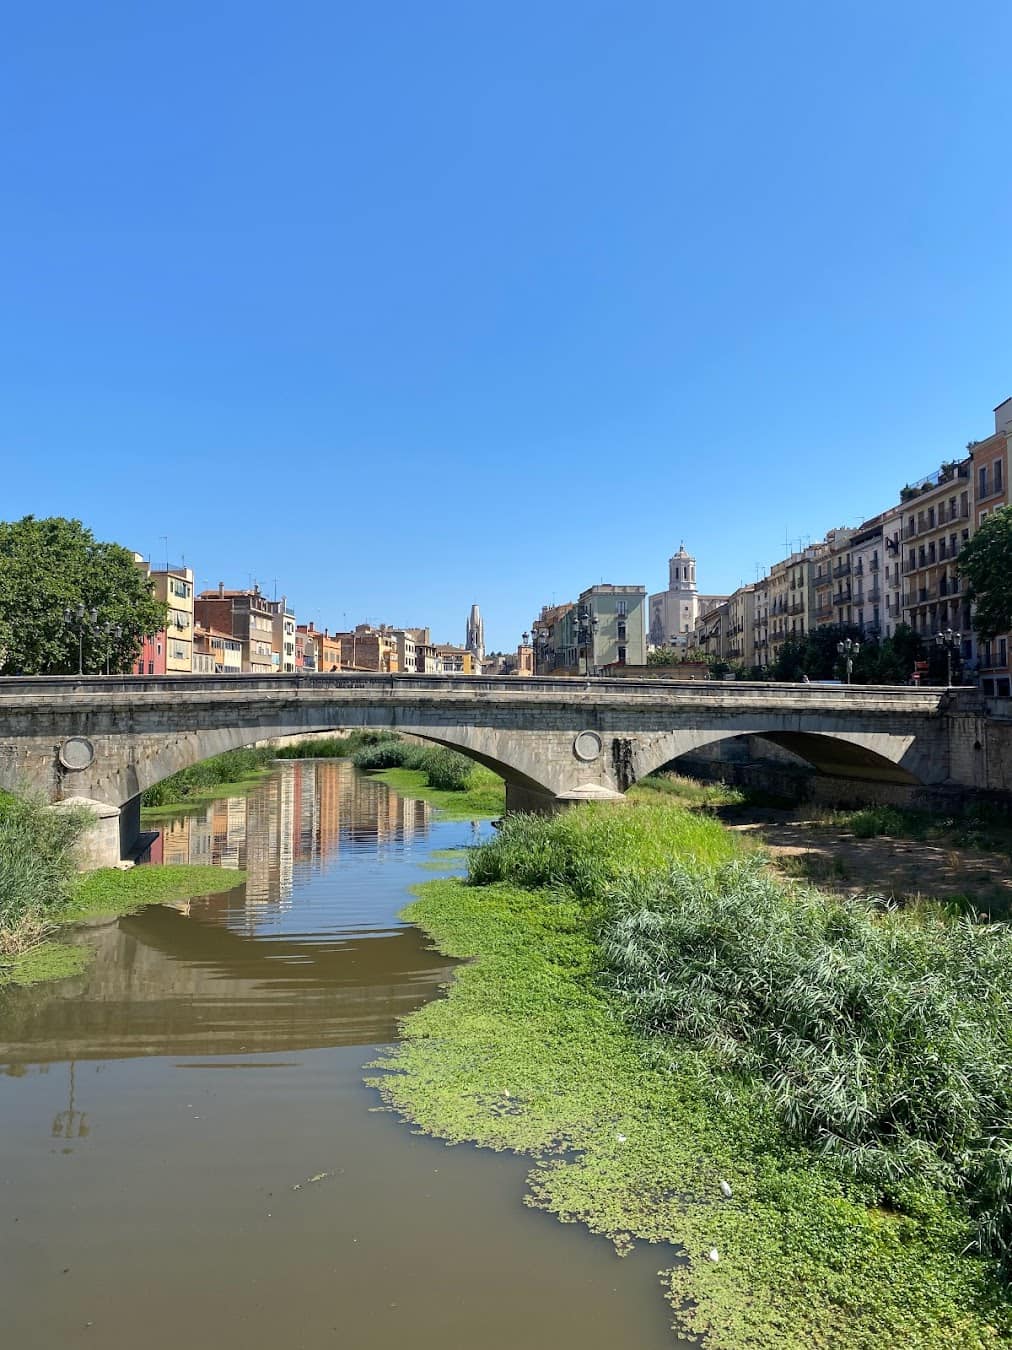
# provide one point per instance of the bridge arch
(152, 763)
(878, 756)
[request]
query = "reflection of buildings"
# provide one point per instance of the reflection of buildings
(291, 825)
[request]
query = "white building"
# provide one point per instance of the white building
(674, 613)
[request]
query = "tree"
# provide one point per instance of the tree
(48, 566)
(986, 563)
(663, 656)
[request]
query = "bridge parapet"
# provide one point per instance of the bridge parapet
(109, 737)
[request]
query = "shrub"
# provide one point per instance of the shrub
(37, 867)
(385, 755)
(883, 1042)
(445, 769)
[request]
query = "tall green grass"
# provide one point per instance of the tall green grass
(37, 868)
(880, 1040)
(589, 849)
(230, 767)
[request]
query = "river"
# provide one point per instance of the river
(189, 1155)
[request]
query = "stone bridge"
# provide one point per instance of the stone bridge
(554, 741)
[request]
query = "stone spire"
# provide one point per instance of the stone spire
(475, 641)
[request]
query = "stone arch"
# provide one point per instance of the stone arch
(879, 756)
(153, 759)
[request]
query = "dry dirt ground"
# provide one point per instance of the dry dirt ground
(835, 860)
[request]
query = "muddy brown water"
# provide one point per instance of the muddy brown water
(189, 1155)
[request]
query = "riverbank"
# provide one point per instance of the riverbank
(228, 775)
(484, 796)
(103, 896)
(541, 1047)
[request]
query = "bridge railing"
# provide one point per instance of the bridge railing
(194, 686)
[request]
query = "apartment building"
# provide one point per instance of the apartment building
(789, 586)
(170, 651)
(245, 615)
(740, 619)
(283, 636)
(619, 636)
(937, 522)
(892, 570)
(326, 648)
(761, 623)
(220, 650)
(712, 635)
(368, 648)
(990, 469)
(306, 655)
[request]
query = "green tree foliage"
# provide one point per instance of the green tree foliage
(889, 661)
(986, 563)
(49, 565)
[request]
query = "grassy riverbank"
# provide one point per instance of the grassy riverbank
(41, 890)
(230, 774)
(597, 1028)
(95, 897)
(484, 796)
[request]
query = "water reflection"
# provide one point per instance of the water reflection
(248, 970)
(152, 1194)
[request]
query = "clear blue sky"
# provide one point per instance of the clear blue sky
(411, 305)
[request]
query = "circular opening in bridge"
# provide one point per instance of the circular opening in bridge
(77, 752)
(587, 746)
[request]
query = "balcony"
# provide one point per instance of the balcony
(841, 570)
(823, 612)
(873, 566)
(842, 597)
(798, 607)
(874, 596)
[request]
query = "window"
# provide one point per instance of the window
(982, 481)
(996, 474)
(620, 607)
(151, 667)
(621, 656)
(1002, 652)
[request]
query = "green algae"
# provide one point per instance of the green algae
(530, 1052)
(109, 892)
(45, 961)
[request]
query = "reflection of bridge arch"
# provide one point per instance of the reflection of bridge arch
(138, 731)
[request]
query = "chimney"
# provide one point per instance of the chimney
(221, 590)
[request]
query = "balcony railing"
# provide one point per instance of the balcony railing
(842, 598)
(841, 570)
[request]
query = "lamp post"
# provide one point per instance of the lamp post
(78, 615)
(848, 648)
(586, 621)
(951, 642)
(110, 630)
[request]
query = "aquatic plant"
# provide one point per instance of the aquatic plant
(883, 1042)
(37, 867)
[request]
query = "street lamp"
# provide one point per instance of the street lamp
(78, 615)
(849, 648)
(110, 630)
(586, 621)
(951, 642)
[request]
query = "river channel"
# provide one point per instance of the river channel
(189, 1155)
